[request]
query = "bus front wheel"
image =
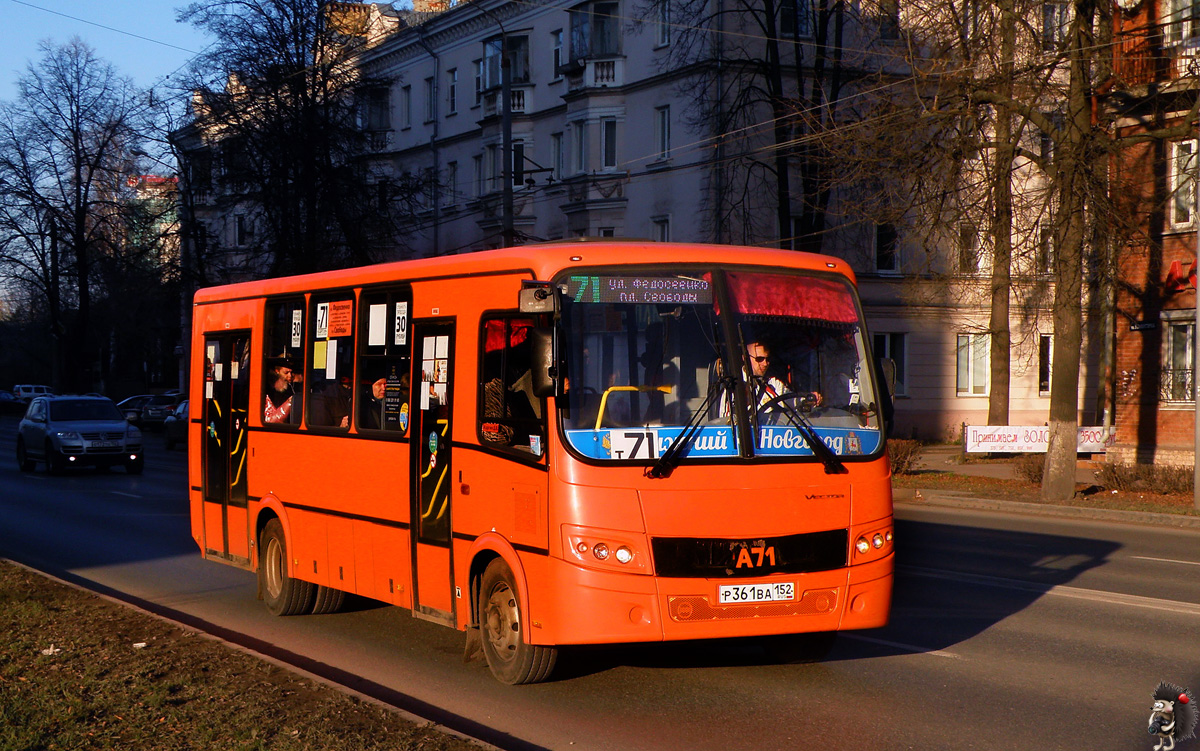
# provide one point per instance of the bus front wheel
(282, 594)
(509, 657)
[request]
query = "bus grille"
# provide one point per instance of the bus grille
(718, 558)
(691, 608)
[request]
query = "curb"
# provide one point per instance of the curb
(905, 498)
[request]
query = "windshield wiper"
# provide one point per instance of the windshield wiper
(670, 458)
(833, 465)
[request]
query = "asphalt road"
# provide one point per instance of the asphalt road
(1007, 632)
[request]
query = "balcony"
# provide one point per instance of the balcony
(598, 73)
(517, 101)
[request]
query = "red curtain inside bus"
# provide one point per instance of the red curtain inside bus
(806, 297)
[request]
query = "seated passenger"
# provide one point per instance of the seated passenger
(280, 403)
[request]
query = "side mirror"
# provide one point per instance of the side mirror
(538, 297)
(544, 368)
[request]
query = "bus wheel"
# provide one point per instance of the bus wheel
(510, 659)
(798, 649)
(282, 594)
(328, 600)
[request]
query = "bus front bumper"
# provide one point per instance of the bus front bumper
(600, 607)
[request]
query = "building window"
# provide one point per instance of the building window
(1056, 24)
(894, 347)
(662, 31)
(1183, 182)
(972, 364)
(579, 148)
(556, 43)
(662, 131)
(1179, 361)
(518, 61)
(794, 18)
(450, 195)
(241, 231)
(518, 163)
(606, 232)
(1045, 249)
(557, 156)
(889, 19)
(886, 259)
(661, 229)
(430, 97)
(376, 109)
(595, 30)
(406, 107)
(968, 248)
(477, 163)
(1181, 19)
(452, 91)
(1045, 349)
(970, 18)
(608, 143)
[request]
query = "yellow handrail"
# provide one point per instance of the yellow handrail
(610, 389)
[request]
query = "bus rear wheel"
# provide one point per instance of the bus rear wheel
(282, 594)
(328, 600)
(509, 657)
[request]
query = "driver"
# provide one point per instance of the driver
(764, 386)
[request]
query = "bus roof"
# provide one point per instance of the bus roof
(541, 261)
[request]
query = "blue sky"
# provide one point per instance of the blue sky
(139, 37)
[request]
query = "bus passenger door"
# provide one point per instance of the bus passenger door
(226, 401)
(433, 565)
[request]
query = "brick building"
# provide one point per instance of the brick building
(1154, 92)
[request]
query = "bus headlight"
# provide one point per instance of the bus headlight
(609, 550)
(871, 544)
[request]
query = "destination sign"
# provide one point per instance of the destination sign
(660, 290)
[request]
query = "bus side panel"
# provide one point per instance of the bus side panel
(501, 495)
(388, 547)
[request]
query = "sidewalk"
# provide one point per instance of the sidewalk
(950, 459)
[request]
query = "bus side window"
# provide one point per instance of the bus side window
(510, 416)
(384, 361)
(331, 385)
(283, 362)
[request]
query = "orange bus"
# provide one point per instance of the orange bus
(552, 445)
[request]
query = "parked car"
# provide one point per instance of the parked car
(77, 430)
(156, 409)
(27, 391)
(175, 427)
(10, 404)
(132, 407)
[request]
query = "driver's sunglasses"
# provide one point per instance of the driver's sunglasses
(759, 358)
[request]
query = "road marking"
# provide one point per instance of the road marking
(1165, 560)
(898, 645)
(127, 495)
(1060, 590)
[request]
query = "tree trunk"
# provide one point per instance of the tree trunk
(1058, 477)
(1001, 338)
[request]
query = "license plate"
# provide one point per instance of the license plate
(738, 594)
(105, 444)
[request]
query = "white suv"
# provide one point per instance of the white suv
(25, 392)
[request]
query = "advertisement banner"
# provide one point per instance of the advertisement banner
(1031, 439)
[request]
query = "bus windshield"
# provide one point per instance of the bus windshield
(715, 355)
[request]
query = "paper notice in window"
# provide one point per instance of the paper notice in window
(331, 360)
(377, 325)
(319, 354)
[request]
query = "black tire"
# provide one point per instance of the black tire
(798, 649)
(282, 594)
(23, 461)
(328, 600)
(54, 460)
(135, 466)
(501, 614)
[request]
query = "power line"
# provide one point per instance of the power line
(106, 28)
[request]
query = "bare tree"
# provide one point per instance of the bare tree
(278, 136)
(64, 146)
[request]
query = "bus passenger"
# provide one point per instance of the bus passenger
(331, 404)
(280, 404)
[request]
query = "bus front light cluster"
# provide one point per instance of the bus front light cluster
(609, 550)
(873, 544)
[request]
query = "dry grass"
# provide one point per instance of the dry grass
(80, 672)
